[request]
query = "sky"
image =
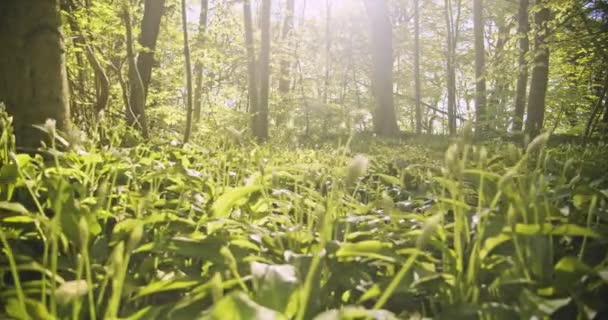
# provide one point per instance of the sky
(314, 8)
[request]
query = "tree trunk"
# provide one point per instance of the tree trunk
(150, 26)
(285, 63)
(417, 80)
(252, 65)
(385, 119)
(450, 68)
(198, 68)
(135, 108)
(326, 81)
(522, 78)
(260, 128)
(33, 76)
(188, 71)
(102, 86)
(480, 67)
(540, 74)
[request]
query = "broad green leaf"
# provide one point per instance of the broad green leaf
(274, 284)
(369, 248)
(353, 313)
(222, 206)
(238, 306)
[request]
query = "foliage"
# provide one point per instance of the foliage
(232, 230)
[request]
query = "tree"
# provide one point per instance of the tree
(260, 117)
(385, 119)
(136, 116)
(188, 71)
(480, 62)
(33, 77)
(198, 68)
(522, 78)
(451, 39)
(540, 72)
(150, 26)
(417, 80)
(284, 82)
(251, 65)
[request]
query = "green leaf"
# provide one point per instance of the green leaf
(71, 290)
(390, 180)
(164, 286)
(13, 207)
(274, 284)
(222, 206)
(238, 306)
(369, 248)
(353, 313)
(571, 230)
(492, 243)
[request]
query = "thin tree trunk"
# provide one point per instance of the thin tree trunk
(284, 82)
(135, 109)
(252, 65)
(450, 68)
(33, 76)
(589, 128)
(102, 81)
(540, 74)
(522, 78)
(198, 68)
(328, 44)
(385, 119)
(480, 68)
(261, 116)
(188, 70)
(417, 80)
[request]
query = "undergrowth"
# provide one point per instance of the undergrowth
(360, 229)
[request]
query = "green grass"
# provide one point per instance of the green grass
(226, 229)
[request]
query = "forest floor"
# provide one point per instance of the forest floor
(361, 228)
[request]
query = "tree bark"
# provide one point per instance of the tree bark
(522, 78)
(385, 119)
(188, 71)
(252, 65)
(417, 80)
(33, 76)
(540, 74)
(198, 68)
(450, 67)
(480, 68)
(150, 27)
(284, 82)
(136, 116)
(260, 128)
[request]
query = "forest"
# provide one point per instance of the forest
(304, 159)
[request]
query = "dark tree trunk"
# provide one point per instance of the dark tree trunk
(188, 71)
(480, 68)
(417, 80)
(33, 76)
(136, 116)
(522, 78)
(198, 68)
(260, 128)
(252, 65)
(150, 26)
(284, 82)
(540, 75)
(385, 119)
